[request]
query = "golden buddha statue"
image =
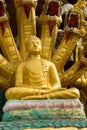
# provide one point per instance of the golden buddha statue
(37, 78)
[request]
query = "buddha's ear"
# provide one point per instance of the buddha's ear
(27, 46)
(41, 52)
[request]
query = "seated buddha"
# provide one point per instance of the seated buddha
(37, 78)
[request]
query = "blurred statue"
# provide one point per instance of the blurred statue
(81, 50)
(37, 78)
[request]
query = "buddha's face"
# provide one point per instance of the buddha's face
(35, 46)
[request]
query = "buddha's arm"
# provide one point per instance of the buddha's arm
(19, 76)
(54, 77)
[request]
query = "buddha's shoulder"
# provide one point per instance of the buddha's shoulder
(48, 62)
(23, 63)
(44, 62)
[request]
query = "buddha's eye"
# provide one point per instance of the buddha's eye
(38, 43)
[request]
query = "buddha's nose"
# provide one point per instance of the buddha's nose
(35, 44)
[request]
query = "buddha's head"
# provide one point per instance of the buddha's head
(33, 45)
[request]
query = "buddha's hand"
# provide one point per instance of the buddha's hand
(34, 97)
(52, 89)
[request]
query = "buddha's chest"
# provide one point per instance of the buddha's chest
(35, 74)
(35, 67)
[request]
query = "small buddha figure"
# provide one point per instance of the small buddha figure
(37, 78)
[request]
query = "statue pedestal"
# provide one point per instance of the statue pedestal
(2, 102)
(84, 99)
(55, 113)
